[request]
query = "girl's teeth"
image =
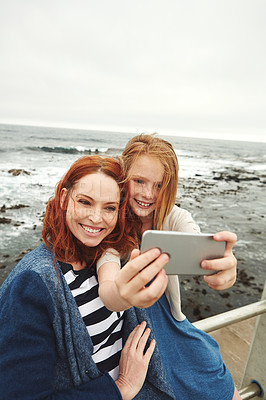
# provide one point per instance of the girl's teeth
(90, 229)
(143, 204)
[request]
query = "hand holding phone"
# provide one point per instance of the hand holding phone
(186, 250)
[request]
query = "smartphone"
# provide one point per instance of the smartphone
(186, 250)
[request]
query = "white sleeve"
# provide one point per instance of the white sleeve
(111, 255)
(174, 299)
(180, 220)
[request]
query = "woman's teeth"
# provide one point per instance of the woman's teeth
(86, 228)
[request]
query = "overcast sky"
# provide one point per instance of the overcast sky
(191, 67)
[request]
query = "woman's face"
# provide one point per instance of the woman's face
(92, 209)
(146, 176)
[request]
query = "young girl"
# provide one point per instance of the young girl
(58, 341)
(191, 358)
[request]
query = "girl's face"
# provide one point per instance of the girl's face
(146, 176)
(92, 209)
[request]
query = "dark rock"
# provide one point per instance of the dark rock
(196, 310)
(224, 295)
(16, 172)
(17, 206)
(4, 220)
(234, 175)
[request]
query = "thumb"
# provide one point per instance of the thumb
(135, 253)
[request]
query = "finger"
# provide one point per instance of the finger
(228, 262)
(134, 266)
(220, 288)
(130, 338)
(218, 264)
(149, 351)
(135, 253)
(148, 295)
(143, 340)
(220, 281)
(145, 276)
(225, 286)
(137, 334)
(229, 237)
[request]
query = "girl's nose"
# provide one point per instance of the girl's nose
(148, 192)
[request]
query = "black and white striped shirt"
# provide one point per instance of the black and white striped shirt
(104, 326)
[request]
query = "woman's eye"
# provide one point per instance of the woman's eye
(111, 209)
(139, 181)
(84, 202)
(159, 186)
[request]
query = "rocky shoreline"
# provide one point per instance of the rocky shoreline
(231, 199)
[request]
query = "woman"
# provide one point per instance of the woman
(192, 361)
(58, 341)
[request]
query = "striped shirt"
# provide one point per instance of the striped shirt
(104, 326)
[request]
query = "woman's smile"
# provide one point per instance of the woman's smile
(92, 209)
(90, 229)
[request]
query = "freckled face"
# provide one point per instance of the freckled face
(92, 209)
(146, 176)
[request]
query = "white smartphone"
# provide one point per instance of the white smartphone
(186, 250)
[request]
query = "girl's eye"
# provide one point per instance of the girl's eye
(139, 181)
(159, 186)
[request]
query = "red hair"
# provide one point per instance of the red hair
(164, 152)
(56, 233)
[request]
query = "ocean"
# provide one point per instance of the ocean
(222, 183)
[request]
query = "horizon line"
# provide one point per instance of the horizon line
(136, 131)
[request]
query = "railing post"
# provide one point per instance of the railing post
(255, 369)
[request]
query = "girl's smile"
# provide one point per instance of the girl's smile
(146, 175)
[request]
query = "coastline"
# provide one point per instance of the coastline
(221, 183)
(198, 300)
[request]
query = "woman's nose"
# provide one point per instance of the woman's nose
(95, 215)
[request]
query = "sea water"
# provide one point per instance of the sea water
(222, 183)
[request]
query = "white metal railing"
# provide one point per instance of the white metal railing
(253, 384)
(230, 317)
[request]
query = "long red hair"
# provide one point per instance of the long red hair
(56, 233)
(162, 150)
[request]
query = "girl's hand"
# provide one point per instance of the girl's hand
(226, 266)
(134, 363)
(141, 270)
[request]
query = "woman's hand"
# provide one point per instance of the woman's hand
(226, 266)
(134, 363)
(133, 278)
